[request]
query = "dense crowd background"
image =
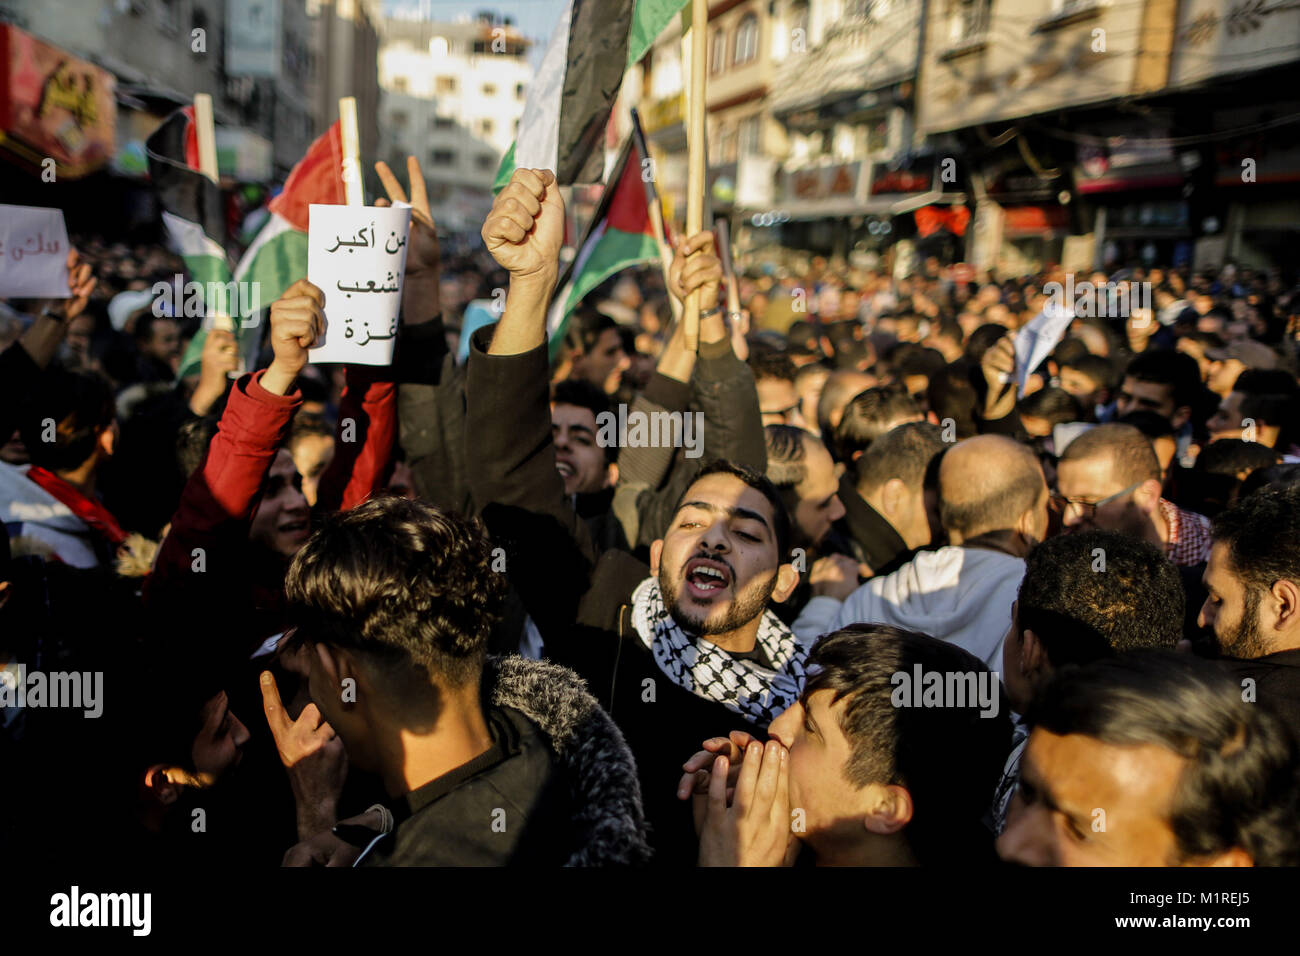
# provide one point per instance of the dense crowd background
(1112, 554)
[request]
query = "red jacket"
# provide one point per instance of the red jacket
(207, 575)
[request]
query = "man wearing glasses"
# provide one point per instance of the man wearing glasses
(1109, 478)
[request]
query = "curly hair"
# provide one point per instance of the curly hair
(398, 579)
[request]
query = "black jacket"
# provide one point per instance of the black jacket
(431, 415)
(1277, 683)
(579, 598)
(557, 788)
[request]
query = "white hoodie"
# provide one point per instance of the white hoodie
(29, 511)
(962, 595)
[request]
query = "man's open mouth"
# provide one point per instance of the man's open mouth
(707, 578)
(565, 469)
(300, 526)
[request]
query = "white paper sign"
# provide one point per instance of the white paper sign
(356, 255)
(1036, 339)
(33, 253)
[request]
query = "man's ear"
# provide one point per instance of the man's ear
(1033, 656)
(891, 809)
(893, 496)
(1286, 594)
(611, 474)
(1233, 857)
(106, 442)
(159, 785)
(787, 579)
(1147, 496)
(656, 552)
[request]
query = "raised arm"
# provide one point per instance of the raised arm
(510, 453)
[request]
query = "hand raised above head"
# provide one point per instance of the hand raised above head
(525, 228)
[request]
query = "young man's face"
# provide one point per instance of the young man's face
(605, 363)
(1226, 420)
(281, 522)
(779, 402)
(819, 753)
(579, 459)
(164, 342)
(819, 506)
(1092, 480)
(1223, 375)
(1137, 396)
(1229, 610)
(1082, 802)
(219, 744)
(1081, 386)
(718, 563)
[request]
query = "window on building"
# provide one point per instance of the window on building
(799, 21)
(398, 119)
(485, 161)
(487, 127)
(968, 20)
(442, 157)
(717, 51)
(749, 137)
(446, 84)
(516, 127)
(519, 91)
(443, 122)
(728, 146)
(489, 89)
(746, 40)
(878, 134)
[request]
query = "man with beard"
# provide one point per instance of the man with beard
(676, 650)
(1253, 602)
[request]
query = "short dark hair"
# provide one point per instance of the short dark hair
(586, 326)
(1265, 381)
(1056, 405)
(948, 758)
(584, 394)
(905, 453)
(1097, 367)
(192, 440)
(1090, 594)
(1129, 452)
(766, 363)
(1168, 367)
(868, 415)
(953, 397)
(1240, 786)
(1231, 456)
(1261, 531)
(80, 404)
(761, 484)
(399, 579)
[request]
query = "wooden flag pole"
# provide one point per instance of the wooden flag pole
(351, 152)
(695, 180)
(206, 134)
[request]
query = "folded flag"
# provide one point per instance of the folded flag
(620, 235)
(570, 99)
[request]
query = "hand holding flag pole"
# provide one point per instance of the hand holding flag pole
(695, 146)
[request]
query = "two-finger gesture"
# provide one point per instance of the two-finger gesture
(422, 252)
(296, 740)
(525, 229)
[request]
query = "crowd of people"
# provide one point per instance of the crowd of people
(906, 602)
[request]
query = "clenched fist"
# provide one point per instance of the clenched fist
(297, 320)
(525, 229)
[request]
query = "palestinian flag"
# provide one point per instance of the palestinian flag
(569, 101)
(277, 258)
(620, 235)
(192, 205)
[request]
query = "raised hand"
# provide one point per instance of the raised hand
(220, 356)
(999, 368)
(525, 229)
(836, 576)
(422, 252)
(81, 283)
(297, 320)
(312, 754)
(696, 266)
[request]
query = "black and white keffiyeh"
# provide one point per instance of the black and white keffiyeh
(708, 671)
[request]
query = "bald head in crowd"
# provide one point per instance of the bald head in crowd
(989, 484)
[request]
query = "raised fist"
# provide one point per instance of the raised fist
(525, 229)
